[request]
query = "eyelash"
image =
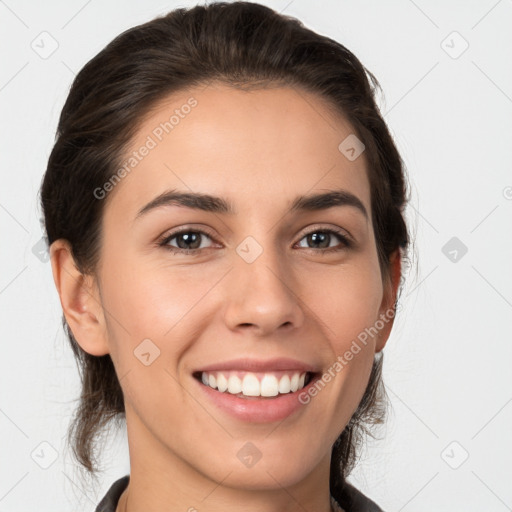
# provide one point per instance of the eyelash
(346, 243)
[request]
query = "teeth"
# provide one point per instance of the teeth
(252, 384)
(222, 382)
(284, 384)
(269, 386)
(294, 384)
(234, 385)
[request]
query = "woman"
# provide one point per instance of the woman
(224, 208)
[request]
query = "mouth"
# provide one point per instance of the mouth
(256, 385)
(255, 390)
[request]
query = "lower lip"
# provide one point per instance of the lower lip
(256, 409)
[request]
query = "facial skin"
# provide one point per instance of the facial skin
(259, 150)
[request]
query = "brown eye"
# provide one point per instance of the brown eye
(187, 241)
(322, 239)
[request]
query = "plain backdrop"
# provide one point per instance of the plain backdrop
(445, 69)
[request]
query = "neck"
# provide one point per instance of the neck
(161, 481)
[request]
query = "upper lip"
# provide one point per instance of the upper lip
(260, 365)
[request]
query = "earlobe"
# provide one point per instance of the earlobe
(80, 300)
(387, 310)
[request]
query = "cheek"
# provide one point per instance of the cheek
(151, 324)
(152, 301)
(155, 315)
(346, 301)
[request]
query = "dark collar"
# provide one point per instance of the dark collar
(109, 501)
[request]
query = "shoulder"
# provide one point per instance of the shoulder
(353, 500)
(110, 500)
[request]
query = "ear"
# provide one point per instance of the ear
(387, 309)
(80, 300)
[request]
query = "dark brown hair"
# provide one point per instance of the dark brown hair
(240, 44)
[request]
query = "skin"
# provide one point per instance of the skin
(259, 150)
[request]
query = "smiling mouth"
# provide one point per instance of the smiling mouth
(245, 384)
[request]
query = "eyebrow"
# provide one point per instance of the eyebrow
(214, 204)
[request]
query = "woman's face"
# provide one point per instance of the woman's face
(264, 296)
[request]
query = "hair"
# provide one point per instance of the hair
(242, 45)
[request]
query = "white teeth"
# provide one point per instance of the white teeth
(222, 382)
(294, 383)
(269, 386)
(284, 384)
(250, 385)
(234, 385)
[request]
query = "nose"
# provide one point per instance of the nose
(263, 295)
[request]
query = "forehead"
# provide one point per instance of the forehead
(255, 147)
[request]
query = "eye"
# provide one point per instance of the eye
(322, 238)
(188, 241)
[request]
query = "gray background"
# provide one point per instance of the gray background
(447, 443)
